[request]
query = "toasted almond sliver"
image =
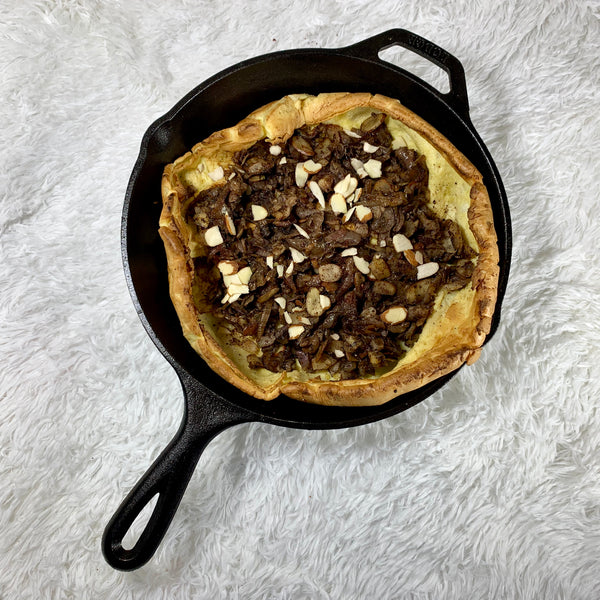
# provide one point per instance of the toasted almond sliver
(359, 167)
(280, 270)
(349, 252)
(281, 301)
(301, 231)
(290, 268)
(401, 243)
(237, 288)
(364, 213)
(395, 314)
(227, 267)
(213, 236)
(269, 261)
(346, 186)
(283, 160)
(229, 279)
(225, 299)
(217, 173)
(351, 133)
(373, 168)
(419, 257)
(287, 317)
(427, 270)
(339, 353)
(338, 203)
(361, 264)
(245, 274)
(312, 167)
(357, 194)
(275, 150)
(348, 214)
(234, 298)
(295, 331)
(259, 212)
(325, 301)
(317, 192)
(410, 257)
(229, 224)
(370, 148)
(301, 175)
(297, 256)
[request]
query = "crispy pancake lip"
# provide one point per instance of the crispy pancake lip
(460, 321)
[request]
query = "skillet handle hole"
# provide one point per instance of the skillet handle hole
(133, 534)
(417, 65)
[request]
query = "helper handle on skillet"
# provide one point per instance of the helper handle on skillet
(371, 47)
(205, 416)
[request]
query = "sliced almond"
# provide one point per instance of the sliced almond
(259, 212)
(234, 298)
(283, 160)
(395, 314)
(269, 261)
(352, 134)
(217, 173)
(359, 167)
(287, 317)
(280, 270)
(348, 215)
(370, 148)
(317, 192)
(401, 243)
(357, 194)
(373, 168)
(297, 256)
(237, 288)
(364, 213)
(312, 167)
(295, 331)
(313, 303)
(229, 279)
(301, 175)
(229, 224)
(346, 186)
(410, 257)
(419, 257)
(275, 150)
(245, 274)
(305, 321)
(290, 268)
(281, 301)
(339, 353)
(225, 299)
(301, 231)
(427, 270)
(325, 301)
(361, 264)
(349, 252)
(227, 267)
(338, 203)
(213, 236)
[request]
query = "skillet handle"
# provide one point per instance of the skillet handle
(457, 97)
(168, 477)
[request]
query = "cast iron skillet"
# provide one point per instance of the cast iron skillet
(212, 404)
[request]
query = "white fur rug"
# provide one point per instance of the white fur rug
(488, 489)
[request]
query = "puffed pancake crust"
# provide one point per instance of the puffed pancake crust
(459, 320)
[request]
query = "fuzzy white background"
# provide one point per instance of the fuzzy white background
(488, 489)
